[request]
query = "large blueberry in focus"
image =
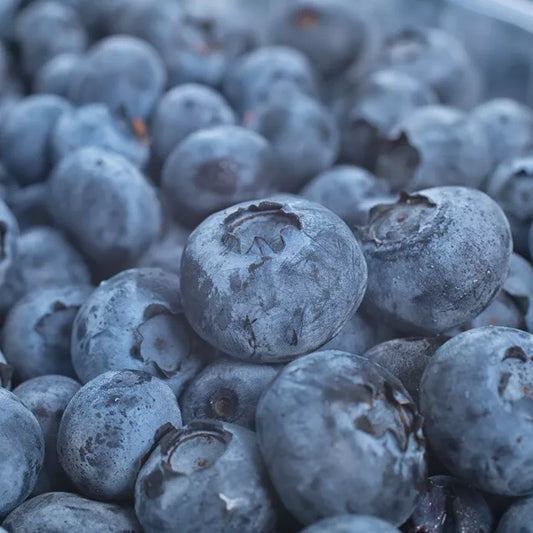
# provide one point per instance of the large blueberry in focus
(449, 505)
(518, 517)
(215, 168)
(477, 402)
(227, 390)
(36, 335)
(351, 524)
(122, 72)
(406, 359)
(435, 259)
(271, 279)
(21, 451)
(318, 424)
(135, 320)
(438, 59)
(207, 477)
(47, 397)
(252, 78)
(61, 512)
(25, 135)
(435, 146)
(183, 110)
(106, 206)
(109, 426)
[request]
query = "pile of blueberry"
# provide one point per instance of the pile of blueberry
(259, 278)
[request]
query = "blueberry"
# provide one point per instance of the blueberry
(105, 205)
(450, 505)
(36, 335)
(9, 234)
(28, 205)
(271, 279)
(25, 135)
(55, 76)
(359, 334)
(351, 524)
(511, 186)
(385, 99)
(61, 512)
(227, 390)
(166, 252)
(109, 426)
(135, 320)
(8, 12)
(6, 373)
(436, 58)
(184, 110)
(475, 397)
(21, 451)
(215, 168)
(406, 359)
(332, 33)
(47, 397)
(319, 422)
(44, 259)
(303, 133)
(252, 78)
(206, 477)
(509, 127)
(517, 518)
(435, 259)
(45, 29)
(95, 125)
(123, 72)
(348, 191)
(204, 47)
(435, 146)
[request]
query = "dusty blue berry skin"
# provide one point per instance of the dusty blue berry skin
(252, 77)
(435, 259)
(96, 125)
(47, 397)
(135, 320)
(36, 334)
(318, 423)
(302, 259)
(46, 29)
(517, 518)
(55, 75)
(227, 390)
(25, 134)
(122, 72)
(109, 426)
(106, 206)
(44, 259)
(62, 512)
(8, 240)
(348, 191)
(475, 397)
(207, 477)
(183, 110)
(448, 504)
(509, 127)
(406, 359)
(21, 451)
(435, 146)
(215, 168)
(331, 34)
(351, 524)
(438, 59)
(385, 99)
(303, 133)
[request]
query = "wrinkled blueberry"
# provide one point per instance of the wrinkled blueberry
(319, 422)
(271, 279)
(108, 428)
